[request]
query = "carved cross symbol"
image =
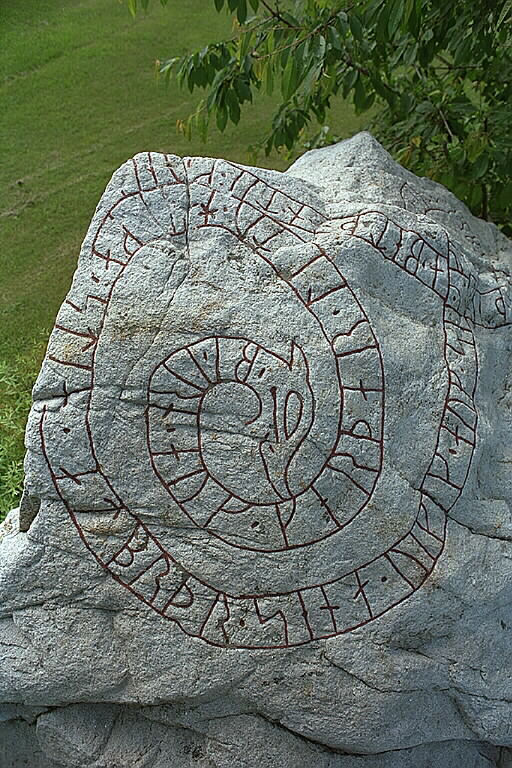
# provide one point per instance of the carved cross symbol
(206, 211)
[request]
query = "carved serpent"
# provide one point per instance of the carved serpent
(263, 447)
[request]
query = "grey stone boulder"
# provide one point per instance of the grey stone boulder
(102, 736)
(266, 517)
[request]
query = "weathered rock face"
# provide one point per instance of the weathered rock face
(270, 448)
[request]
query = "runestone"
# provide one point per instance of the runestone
(235, 408)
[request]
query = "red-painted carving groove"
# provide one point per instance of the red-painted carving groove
(274, 415)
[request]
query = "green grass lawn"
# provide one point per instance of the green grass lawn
(78, 96)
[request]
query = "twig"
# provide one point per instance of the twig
(445, 122)
(276, 14)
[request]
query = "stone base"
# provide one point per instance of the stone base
(116, 736)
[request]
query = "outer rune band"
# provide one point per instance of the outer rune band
(262, 448)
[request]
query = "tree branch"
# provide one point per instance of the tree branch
(445, 121)
(275, 13)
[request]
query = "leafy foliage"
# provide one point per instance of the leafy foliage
(438, 71)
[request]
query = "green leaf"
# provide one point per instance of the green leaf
(241, 11)
(290, 78)
(372, 12)
(474, 195)
(218, 5)
(426, 53)
(243, 90)
(381, 29)
(349, 81)
(359, 95)
(406, 103)
(342, 23)
(202, 123)
(233, 106)
(355, 26)
(414, 18)
(474, 145)
(370, 99)
(268, 78)
(334, 38)
(462, 50)
(409, 55)
(505, 11)
(311, 79)
(132, 7)
(480, 166)
(395, 16)
(408, 9)
(284, 56)
(244, 44)
(505, 195)
(221, 118)
(318, 47)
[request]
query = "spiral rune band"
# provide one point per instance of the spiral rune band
(222, 398)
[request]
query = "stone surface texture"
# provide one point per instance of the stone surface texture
(267, 508)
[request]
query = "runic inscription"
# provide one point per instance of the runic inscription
(254, 389)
